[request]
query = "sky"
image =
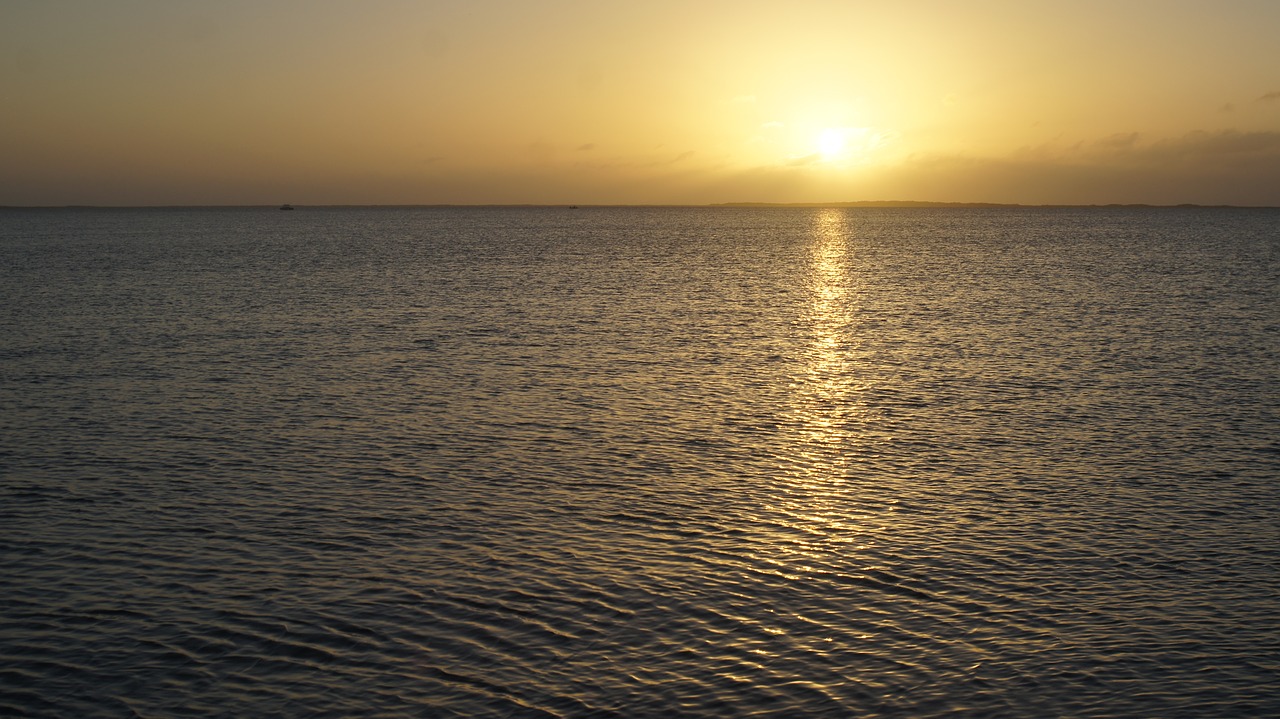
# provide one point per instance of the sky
(183, 102)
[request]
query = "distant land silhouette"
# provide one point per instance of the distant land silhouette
(917, 203)
(859, 203)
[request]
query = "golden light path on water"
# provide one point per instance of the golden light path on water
(828, 385)
(825, 394)
(813, 491)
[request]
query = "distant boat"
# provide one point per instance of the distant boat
(286, 207)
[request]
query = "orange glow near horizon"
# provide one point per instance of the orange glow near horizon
(394, 101)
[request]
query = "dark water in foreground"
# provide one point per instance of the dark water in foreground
(640, 463)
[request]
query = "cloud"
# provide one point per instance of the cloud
(587, 147)
(1270, 97)
(1130, 148)
(624, 165)
(1221, 167)
(1224, 143)
(1207, 167)
(1120, 141)
(804, 160)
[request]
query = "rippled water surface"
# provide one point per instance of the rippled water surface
(639, 463)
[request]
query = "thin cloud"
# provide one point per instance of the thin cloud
(1130, 148)
(1270, 97)
(1119, 141)
(1217, 144)
(616, 164)
(1227, 167)
(587, 147)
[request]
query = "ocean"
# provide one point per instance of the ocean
(640, 462)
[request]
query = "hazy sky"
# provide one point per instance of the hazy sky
(663, 101)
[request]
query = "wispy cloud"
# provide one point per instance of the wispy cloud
(587, 147)
(1118, 141)
(1228, 166)
(1270, 97)
(1204, 144)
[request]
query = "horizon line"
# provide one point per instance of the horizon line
(873, 204)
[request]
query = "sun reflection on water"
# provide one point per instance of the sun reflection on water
(822, 404)
(824, 407)
(824, 411)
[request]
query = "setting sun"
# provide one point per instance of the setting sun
(661, 103)
(831, 143)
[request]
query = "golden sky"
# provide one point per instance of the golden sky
(140, 102)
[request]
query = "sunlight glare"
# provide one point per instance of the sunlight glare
(831, 142)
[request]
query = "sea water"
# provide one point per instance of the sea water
(639, 462)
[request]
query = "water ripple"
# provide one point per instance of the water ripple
(639, 462)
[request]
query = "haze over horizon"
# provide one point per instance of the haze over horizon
(142, 102)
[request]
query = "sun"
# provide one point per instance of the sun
(831, 143)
